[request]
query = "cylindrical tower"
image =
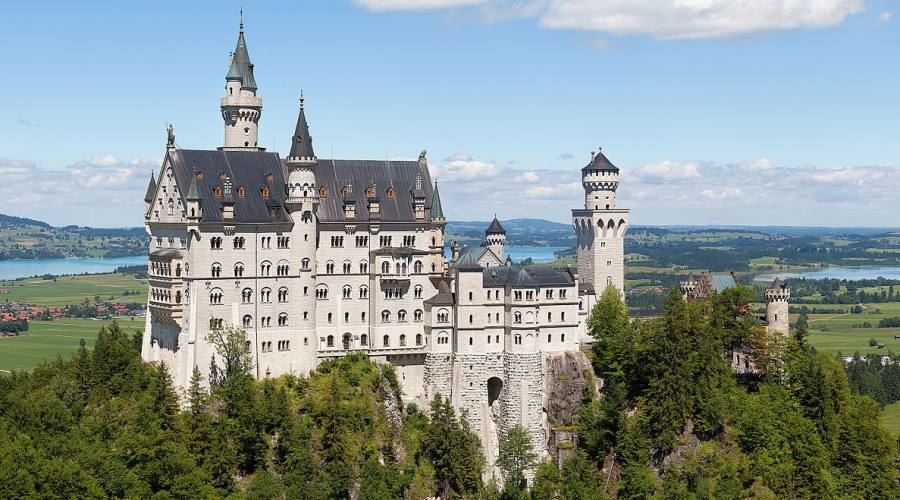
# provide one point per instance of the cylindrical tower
(777, 307)
(495, 238)
(241, 108)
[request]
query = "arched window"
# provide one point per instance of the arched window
(330, 341)
(363, 292)
(265, 268)
(363, 267)
(347, 266)
(517, 317)
(304, 264)
(385, 316)
(402, 340)
(386, 267)
(417, 267)
(417, 315)
(549, 317)
(329, 267)
(216, 270)
(401, 316)
(246, 321)
(364, 339)
(265, 295)
(282, 294)
(246, 295)
(418, 339)
(282, 319)
(321, 292)
(386, 341)
(347, 291)
(417, 292)
(241, 192)
(215, 296)
(178, 297)
(443, 316)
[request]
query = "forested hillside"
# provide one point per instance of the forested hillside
(22, 238)
(671, 421)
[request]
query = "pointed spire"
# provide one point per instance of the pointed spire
(241, 68)
(436, 210)
(193, 192)
(495, 227)
(301, 143)
(151, 189)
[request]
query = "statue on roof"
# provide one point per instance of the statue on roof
(170, 133)
(422, 155)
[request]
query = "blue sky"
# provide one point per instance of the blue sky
(777, 113)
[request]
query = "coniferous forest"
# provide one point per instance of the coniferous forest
(670, 420)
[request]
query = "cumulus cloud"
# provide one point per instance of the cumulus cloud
(99, 191)
(662, 19)
(668, 171)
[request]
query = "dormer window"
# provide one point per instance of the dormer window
(269, 177)
(323, 193)
(345, 191)
(390, 192)
(241, 192)
(217, 192)
(370, 192)
(265, 191)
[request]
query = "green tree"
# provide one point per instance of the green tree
(516, 455)
(232, 350)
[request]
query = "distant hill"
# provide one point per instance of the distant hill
(23, 238)
(519, 232)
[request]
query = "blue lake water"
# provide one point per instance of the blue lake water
(23, 268)
(841, 273)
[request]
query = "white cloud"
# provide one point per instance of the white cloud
(885, 17)
(467, 170)
(528, 177)
(100, 191)
(668, 170)
(662, 19)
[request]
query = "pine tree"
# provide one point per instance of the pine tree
(516, 456)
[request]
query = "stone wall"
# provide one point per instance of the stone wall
(523, 396)
(438, 375)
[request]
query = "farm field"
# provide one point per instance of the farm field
(74, 289)
(833, 333)
(47, 339)
(890, 418)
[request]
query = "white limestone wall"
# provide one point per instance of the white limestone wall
(777, 315)
(523, 396)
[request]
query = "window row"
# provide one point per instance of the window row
(283, 345)
(164, 269)
(401, 316)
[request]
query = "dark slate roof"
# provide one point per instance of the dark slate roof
(526, 277)
(250, 169)
(600, 162)
(301, 143)
(151, 189)
(495, 227)
(778, 283)
(241, 68)
(436, 209)
(468, 261)
(166, 253)
(399, 251)
(444, 295)
(722, 282)
(193, 194)
(334, 175)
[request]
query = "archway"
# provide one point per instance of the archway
(495, 385)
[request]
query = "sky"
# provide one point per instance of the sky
(760, 112)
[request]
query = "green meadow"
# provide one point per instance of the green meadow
(833, 333)
(890, 418)
(46, 340)
(74, 289)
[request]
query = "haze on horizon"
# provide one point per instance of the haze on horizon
(748, 114)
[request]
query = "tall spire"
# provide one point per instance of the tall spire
(436, 210)
(301, 143)
(193, 193)
(151, 189)
(241, 68)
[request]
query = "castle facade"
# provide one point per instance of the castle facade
(318, 258)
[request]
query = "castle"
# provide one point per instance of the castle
(317, 258)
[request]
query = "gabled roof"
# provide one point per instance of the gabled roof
(600, 162)
(151, 189)
(468, 261)
(301, 143)
(436, 210)
(495, 227)
(334, 175)
(241, 68)
(722, 282)
(256, 171)
(526, 277)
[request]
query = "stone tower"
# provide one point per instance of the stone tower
(241, 108)
(600, 228)
(495, 238)
(777, 307)
(301, 203)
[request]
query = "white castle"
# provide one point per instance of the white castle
(319, 258)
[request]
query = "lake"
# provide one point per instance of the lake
(23, 268)
(837, 272)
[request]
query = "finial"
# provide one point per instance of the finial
(301, 99)
(242, 18)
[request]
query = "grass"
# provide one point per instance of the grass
(890, 418)
(832, 333)
(46, 340)
(74, 289)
